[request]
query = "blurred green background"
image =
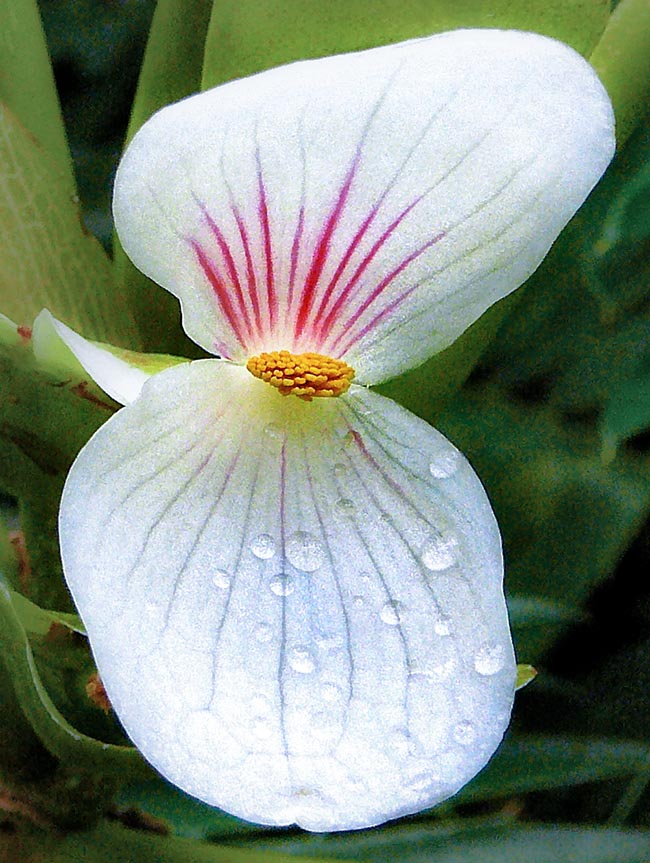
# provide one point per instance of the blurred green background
(548, 396)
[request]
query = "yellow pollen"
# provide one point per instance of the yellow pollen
(307, 376)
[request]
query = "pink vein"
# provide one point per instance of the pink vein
(295, 251)
(220, 289)
(263, 214)
(376, 293)
(230, 266)
(250, 269)
(329, 321)
(320, 253)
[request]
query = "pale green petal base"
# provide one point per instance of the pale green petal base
(296, 608)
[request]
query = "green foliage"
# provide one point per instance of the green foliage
(628, 82)
(171, 70)
(29, 90)
(48, 257)
(247, 37)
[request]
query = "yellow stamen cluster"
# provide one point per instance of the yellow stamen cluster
(307, 376)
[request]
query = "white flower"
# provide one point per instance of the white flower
(296, 605)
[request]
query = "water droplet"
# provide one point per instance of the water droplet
(264, 631)
(420, 782)
(304, 551)
(443, 671)
(439, 552)
(391, 612)
(358, 600)
(441, 625)
(273, 432)
(344, 506)
(365, 577)
(489, 659)
(340, 470)
(263, 546)
(330, 692)
(465, 733)
(261, 728)
(301, 660)
(222, 579)
(282, 584)
(261, 705)
(329, 642)
(445, 465)
(400, 742)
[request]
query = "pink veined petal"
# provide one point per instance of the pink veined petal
(368, 206)
(296, 609)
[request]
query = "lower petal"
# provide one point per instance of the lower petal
(296, 608)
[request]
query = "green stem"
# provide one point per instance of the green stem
(622, 59)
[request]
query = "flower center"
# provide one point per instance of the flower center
(307, 375)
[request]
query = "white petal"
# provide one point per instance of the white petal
(296, 608)
(55, 344)
(370, 205)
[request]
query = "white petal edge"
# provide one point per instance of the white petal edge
(55, 344)
(446, 166)
(296, 609)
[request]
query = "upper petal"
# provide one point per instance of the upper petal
(296, 609)
(369, 205)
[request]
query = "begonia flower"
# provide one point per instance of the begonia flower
(293, 586)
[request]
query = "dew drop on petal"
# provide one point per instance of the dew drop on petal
(330, 692)
(421, 781)
(282, 584)
(445, 465)
(391, 612)
(301, 660)
(222, 579)
(304, 551)
(344, 506)
(465, 733)
(489, 659)
(263, 546)
(264, 631)
(358, 600)
(439, 552)
(261, 728)
(340, 470)
(399, 741)
(443, 671)
(441, 625)
(273, 433)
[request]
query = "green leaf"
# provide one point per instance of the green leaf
(44, 422)
(173, 59)
(247, 37)
(536, 621)
(59, 737)
(27, 84)
(537, 763)
(48, 259)
(525, 675)
(627, 413)
(186, 816)
(38, 621)
(112, 843)
(622, 59)
(171, 70)
(477, 842)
